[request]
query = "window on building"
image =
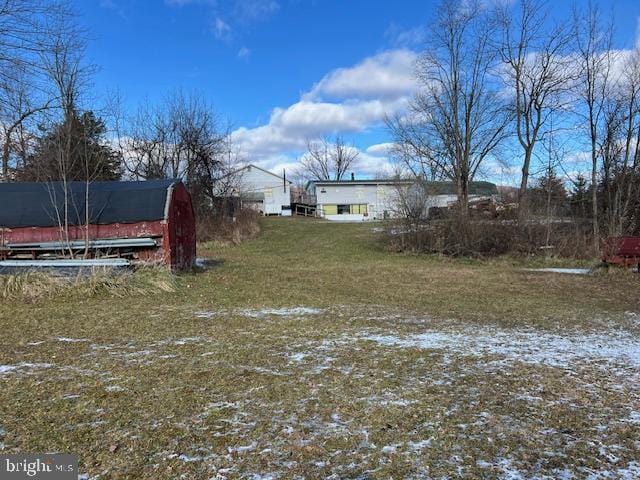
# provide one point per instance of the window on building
(346, 209)
(360, 209)
(330, 209)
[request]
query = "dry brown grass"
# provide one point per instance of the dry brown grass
(210, 381)
(32, 286)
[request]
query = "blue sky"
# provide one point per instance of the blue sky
(280, 71)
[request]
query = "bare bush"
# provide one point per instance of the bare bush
(461, 236)
(225, 229)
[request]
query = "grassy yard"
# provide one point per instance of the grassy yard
(311, 352)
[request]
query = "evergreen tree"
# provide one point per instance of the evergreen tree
(75, 149)
(580, 198)
(549, 188)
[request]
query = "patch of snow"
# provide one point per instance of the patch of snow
(71, 340)
(195, 458)
(114, 388)
(33, 344)
(142, 353)
(23, 365)
(185, 340)
(262, 370)
(281, 312)
(262, 476)
(390, 449)
(568, 271)
(207, 314)
(207, 263)
(243, 448)
(630, 472)
(178, 341)
(417, 446)
(509, 472)
(298, 357)
(529, 346)
(634, 417)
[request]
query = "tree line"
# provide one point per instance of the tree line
(54, 129)
(508, 81)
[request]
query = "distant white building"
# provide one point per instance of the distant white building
(361, 200)
(356, 200)
(266, 192)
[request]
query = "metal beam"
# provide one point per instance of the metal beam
(93, 262)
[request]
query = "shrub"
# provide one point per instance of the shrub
(228, 229)
(457, 236)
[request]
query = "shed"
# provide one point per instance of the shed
(148, 221)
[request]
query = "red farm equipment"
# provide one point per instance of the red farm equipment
(623, 251)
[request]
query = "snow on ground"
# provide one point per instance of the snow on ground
(23, 366)
(319, 364)
(281, 312)
(568, 271)
(530, 346)
(261, 313)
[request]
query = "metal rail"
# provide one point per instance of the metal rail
(93, 262)
(81, 244)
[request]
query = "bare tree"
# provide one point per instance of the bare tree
(619, 142)
(458, 119)
(30, 30)
(327, 159)
(19, 106)
(536, 69)
(595, 57)
(181, 137)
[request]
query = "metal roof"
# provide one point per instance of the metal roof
(434, 188)
(383, 181)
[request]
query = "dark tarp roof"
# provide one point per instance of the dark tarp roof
(36, 204)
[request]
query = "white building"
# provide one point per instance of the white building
(262, 190)
(356, 200)
(360, 200)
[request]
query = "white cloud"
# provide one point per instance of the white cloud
(252, 10)
(244, 52)
(380, 149)
(365, 165)
(231, 16)
(389, 74)
(410, 37)
(221, 29)
(345, 101)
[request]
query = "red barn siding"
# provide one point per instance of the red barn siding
(175, 235)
